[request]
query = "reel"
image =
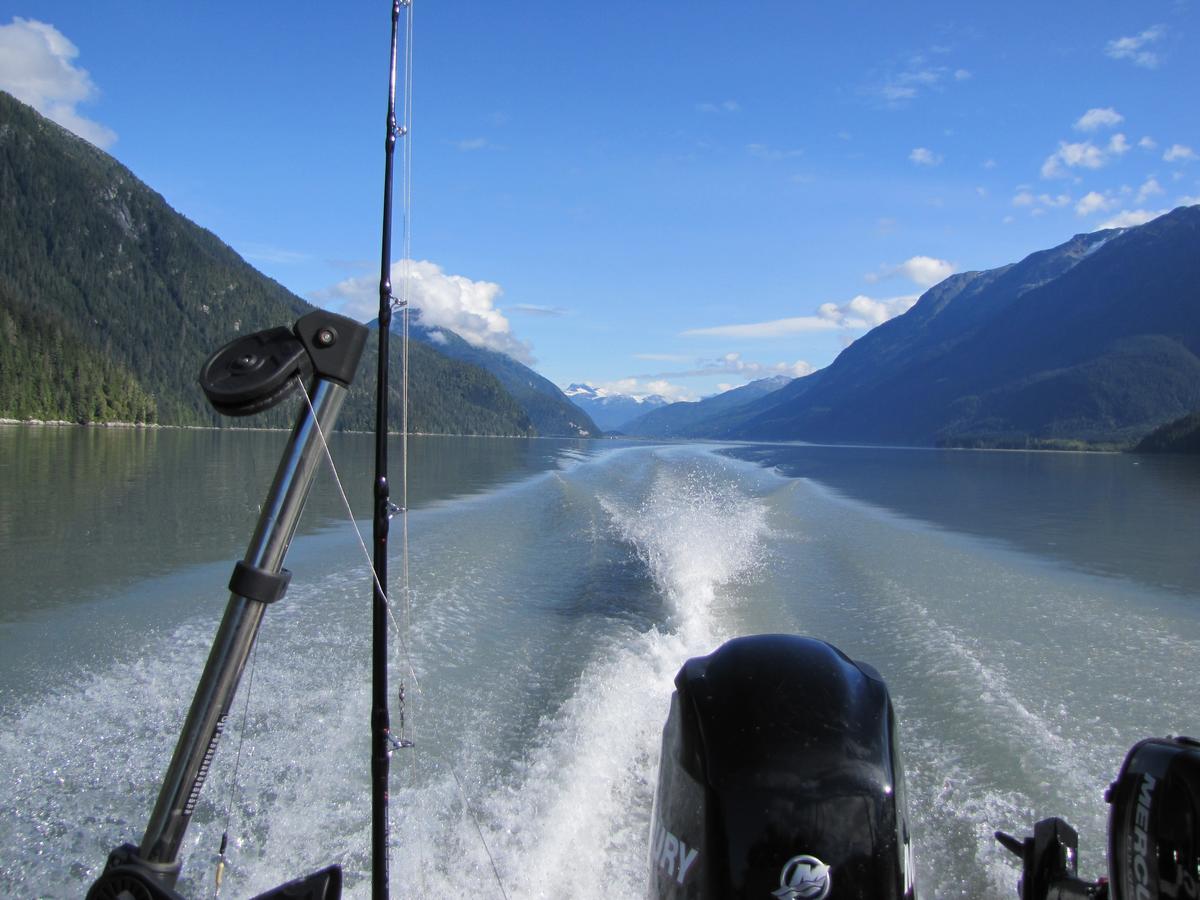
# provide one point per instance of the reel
(257, 371)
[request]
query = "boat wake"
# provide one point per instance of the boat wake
(573, 817)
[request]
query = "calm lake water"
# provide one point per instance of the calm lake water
(1033, 614)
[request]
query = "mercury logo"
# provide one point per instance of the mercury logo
(803, 878)
(1141, 841)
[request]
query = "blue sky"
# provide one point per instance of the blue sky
(666, 196)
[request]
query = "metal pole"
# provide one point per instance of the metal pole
(380, 724)
(235, 637)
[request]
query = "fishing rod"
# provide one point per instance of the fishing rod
(381, 745)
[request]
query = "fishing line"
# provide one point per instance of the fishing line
(233, 780)
(403, 644)
(362, 543)
(222, 855)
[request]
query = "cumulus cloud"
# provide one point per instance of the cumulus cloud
(459, 304)
(923, 156)
(1148, 143)
(1128, 218)
(1148, 190)
(1179, 153)
(1084, 155)
(863, 312)
(1117, 145)
(1135, 48)
(1094, 119)
(1093, 202)
(37, 67)
(923, 270)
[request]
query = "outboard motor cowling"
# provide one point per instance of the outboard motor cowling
(780, 777)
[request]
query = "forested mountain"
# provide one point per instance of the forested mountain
(1180, 436)
(549, 410)
(696, 418)
(1097, 340)
(110, 301)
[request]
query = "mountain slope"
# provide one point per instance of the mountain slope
(1179, 436)
(694, 419)
(125, 298)
(1096, 340)
(548, 409)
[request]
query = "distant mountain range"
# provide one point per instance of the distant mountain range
(110, 301)
(694, 419)
(610, 410)
(1096, 341)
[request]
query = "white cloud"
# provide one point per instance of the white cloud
(859, 313)
(923, 156)
(1128, 218)
(923, 270)
(917, 76)
(1117, 145)
(733, 362)
(1148, 143)
(532, 309)
(37, 67)
(639, 389)
(459, 304)
(771, 329)
(863, 312)
(1179, 153)
(1093, 202)
(1085, 155)
(1097, 118)
(1134, 48)
(1025, 197)
(1147, 190)
(728, 363)
(1188, 201)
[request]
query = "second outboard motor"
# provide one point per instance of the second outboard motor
(780, 777)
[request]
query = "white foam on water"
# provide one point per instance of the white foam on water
(573, 821)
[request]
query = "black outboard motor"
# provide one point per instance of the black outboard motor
(1153, 833)
(780, 777)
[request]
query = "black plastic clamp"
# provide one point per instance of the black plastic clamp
(258, 584)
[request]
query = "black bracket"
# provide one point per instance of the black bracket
(258, 584)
